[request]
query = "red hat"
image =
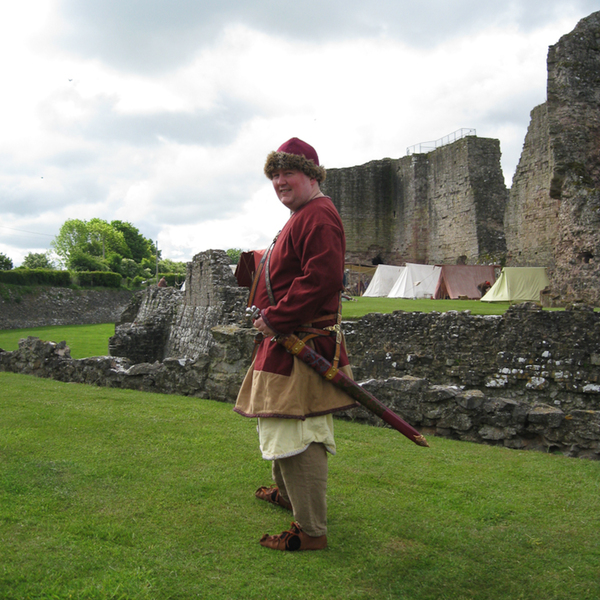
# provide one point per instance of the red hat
(298, 155)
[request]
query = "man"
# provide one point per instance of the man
(297, 289)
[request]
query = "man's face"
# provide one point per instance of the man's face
(293, 188)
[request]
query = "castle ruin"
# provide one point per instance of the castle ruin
(451, 205)
(441, 207)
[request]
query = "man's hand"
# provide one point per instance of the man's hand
(263, 328)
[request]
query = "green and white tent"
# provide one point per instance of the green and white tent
(518, 284)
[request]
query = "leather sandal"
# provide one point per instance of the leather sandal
(272, 495)
(294, 539)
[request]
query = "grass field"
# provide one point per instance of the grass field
(361, 306)
(116, 494)
(83, 340)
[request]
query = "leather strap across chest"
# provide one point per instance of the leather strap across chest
(308, 329)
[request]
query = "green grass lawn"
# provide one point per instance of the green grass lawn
(361, 306)
(83, 340)
(109, 493)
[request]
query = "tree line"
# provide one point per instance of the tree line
(99, 245)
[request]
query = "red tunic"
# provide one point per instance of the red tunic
(306, 274)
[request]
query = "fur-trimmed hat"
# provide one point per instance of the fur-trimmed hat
(298, 155)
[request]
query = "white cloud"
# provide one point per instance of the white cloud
(177, 148)
(252, 227)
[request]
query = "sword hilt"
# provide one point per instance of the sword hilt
(253, 312)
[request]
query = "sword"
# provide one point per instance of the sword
(294, 345)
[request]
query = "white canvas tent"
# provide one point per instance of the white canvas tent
(416, 281)
(383, 280)
(518, 284)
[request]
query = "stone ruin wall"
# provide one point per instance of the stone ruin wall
(531, 217)
(165, 322)
(527, 380)
(212, 297)
(440, 207)
(574, 133)
(467, 201)
(370, 206)
(553, 215)
(45, 306)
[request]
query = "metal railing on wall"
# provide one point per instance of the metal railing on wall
(425, 147)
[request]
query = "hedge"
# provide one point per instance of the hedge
(36, 277)
(83, 278)
(98, 278)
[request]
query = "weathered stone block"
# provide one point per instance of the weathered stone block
(457, 420)
(471, 399)
(545, 415)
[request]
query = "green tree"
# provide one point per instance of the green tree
(234, 255)
(95, 237)
(104, 238)
(6, 264)
(71, 238)
(149, 263)
(138, 245)
(37, 260)
(170, 266)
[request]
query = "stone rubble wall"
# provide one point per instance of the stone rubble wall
(46, 306)
(539, 356)
(445, 410)
(473, 416)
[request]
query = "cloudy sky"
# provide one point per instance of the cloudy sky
(161, 112)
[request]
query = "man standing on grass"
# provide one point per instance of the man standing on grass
(297, 289)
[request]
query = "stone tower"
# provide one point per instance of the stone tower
(446, 206)
(553, 215)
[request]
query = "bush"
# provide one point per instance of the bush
(80, 261)
(98, 278)
(114, 260)
(36, 277)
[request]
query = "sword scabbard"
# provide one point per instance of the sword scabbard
(294, 345)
